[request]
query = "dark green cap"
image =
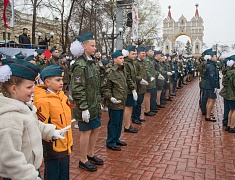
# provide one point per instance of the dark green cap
(40, 50)
(147, 48)
(20, 55)
(116, 54)
(53, 49)
(131, 48)
(29, 58)
(23, 69)
(86, 36)
(51, 71)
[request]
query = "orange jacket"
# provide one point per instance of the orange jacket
(54, 109)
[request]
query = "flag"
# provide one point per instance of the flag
(4, 13)
(12, 14)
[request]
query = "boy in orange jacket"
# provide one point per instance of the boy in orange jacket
(53, 108)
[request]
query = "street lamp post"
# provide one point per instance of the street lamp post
(46, 40)
(112, 36)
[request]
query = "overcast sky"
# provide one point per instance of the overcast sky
(218, 16)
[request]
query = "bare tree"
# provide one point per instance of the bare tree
(221, 49)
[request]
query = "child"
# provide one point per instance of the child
(53, 108)
(115, 93)
(20, 131)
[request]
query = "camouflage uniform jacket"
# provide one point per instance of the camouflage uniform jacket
(114, 85)
(149, 61)
(85, 83)
(53, 61)
(141, 73)
(228, 81)
(159, 70)
(131, 75)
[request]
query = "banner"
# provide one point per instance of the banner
(4, 13)
(135, 20)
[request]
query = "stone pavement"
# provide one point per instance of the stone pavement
(177, 143)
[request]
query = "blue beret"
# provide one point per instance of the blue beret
(103, 53)
(131, 48)
(62, 56)
(20, 55)
(23, 69)
(172, 56)
(140, 49)
(29, 58)
(147, 48)
(53, 49)
(157, 52)
(105, 62)
(51, 71)
(86, 36)
(116, 54)
(209, 52)
(231, 57)
(40, 50)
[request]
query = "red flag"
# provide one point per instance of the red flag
(4, 13)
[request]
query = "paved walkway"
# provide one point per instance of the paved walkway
(177, 143)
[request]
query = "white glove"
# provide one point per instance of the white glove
(160, 77)
(220, 76)
(173, 72)
(100, 63)
(192, 69)
(115, 101)
(152, 79)
(215, 90)
(143, 82)
(86, 116)
(38, 178)
(179, 71)
(59, 134)
(184, 65)
(135, 96)
(169, 73)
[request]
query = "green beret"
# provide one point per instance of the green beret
(20, 55)
(51, 71)
(53, 49)
(40, 50)
(30, 58)
(131, 48)
(147, 48)
(86, 36)
(140, 49)
(116, 54)
(23, 69)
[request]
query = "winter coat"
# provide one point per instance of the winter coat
(21, 140)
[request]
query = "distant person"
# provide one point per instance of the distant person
(24, 38)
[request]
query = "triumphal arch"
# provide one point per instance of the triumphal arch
(173, 29)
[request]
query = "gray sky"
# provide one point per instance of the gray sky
(218, 16)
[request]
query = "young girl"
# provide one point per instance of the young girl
(20, 131)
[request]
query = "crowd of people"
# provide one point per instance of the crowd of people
(133, 83)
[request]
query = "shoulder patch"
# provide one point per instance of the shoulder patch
(78, 79)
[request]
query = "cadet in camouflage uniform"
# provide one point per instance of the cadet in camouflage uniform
(85, 83)
(159, 71)
(131, 90)
(141, 77)
(114, 89)
(181, 72)
(151, 92)
(228, 93)
(40, 59)
(54, 57)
